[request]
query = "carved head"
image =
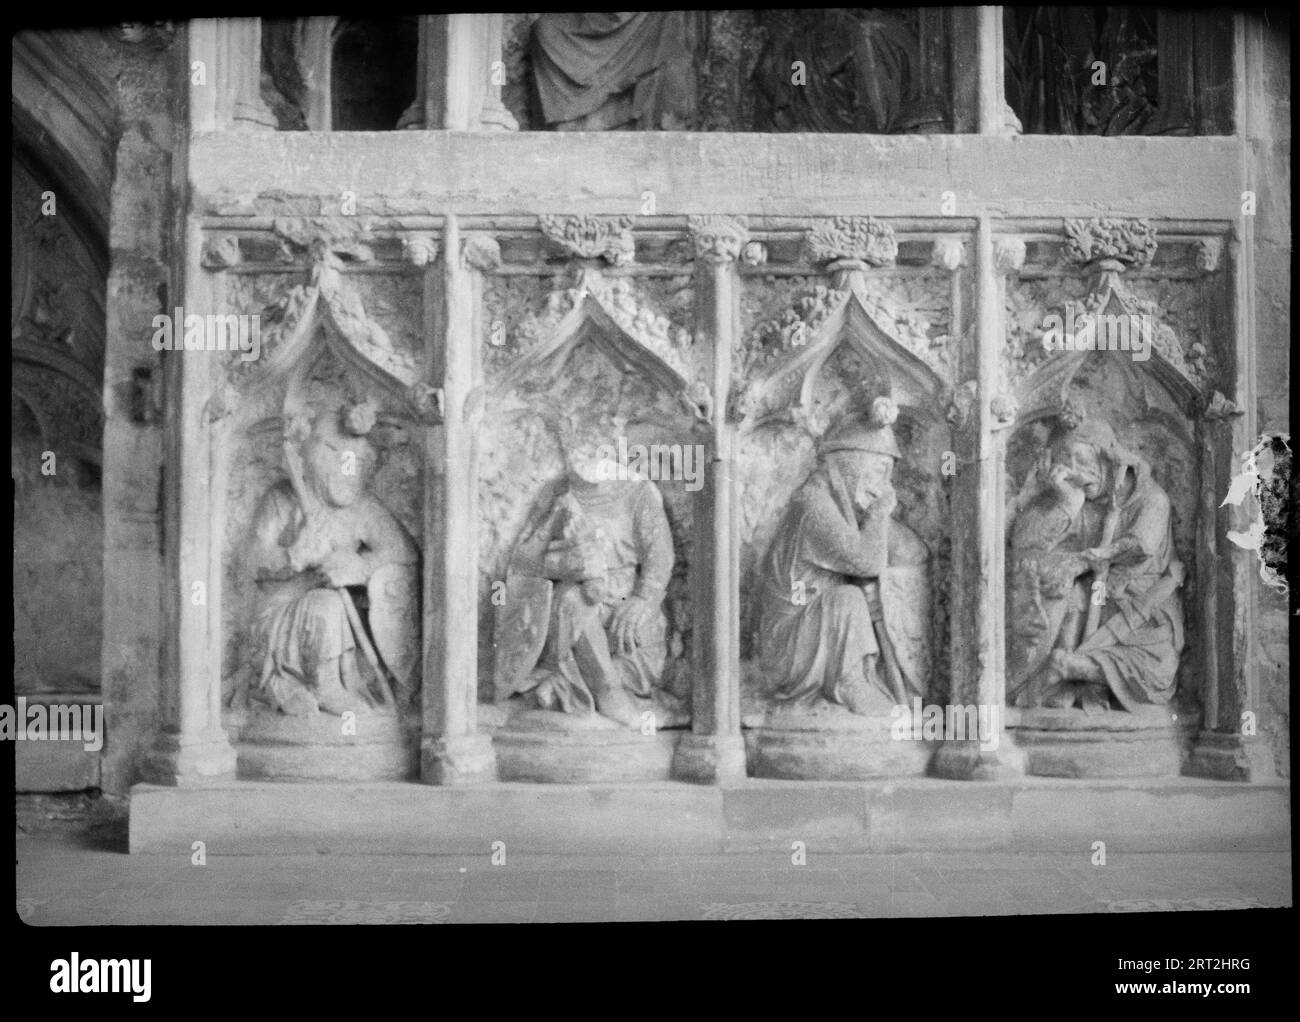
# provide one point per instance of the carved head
(337, 458)
(1084, 453)
(864, 451)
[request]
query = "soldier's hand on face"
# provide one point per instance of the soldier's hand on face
(344, 568)
(883, 506)
(626, 622)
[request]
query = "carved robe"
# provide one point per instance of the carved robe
(623, 549)
(820, 600)
(1139, 639)
(301, 621)
(597, 72)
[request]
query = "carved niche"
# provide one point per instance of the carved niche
(318, 459)
(590, 364)
(847, 339)
(1106, 518)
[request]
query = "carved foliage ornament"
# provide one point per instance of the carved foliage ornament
(592, 237)
(1129, 242)
(854, 237)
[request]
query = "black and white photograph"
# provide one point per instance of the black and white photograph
(825, 469)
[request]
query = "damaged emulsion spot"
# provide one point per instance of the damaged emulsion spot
(1266, 476)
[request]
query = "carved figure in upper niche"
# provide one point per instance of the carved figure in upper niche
(606, 71)
(583, 627)
(1096, 614)
(861, 72)
(828, 633)
(319, 541)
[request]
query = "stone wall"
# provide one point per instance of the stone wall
(929, 188)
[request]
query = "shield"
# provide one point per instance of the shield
(905, 618)
(394, 618)
(521, 625)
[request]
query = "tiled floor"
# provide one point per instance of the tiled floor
(63, 882)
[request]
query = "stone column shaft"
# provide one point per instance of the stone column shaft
(227, 94)
(979, 584)
(455, 86)
(452, 751)
(714, 750)
(192, 747)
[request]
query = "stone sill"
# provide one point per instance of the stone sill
(923, 814)
(419, 172)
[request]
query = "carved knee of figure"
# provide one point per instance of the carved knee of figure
(864, 695)
(330, 693)
(573, 618)
(604, 679)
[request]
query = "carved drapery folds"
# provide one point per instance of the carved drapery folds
(592, 341)
(1107, 477)
(316, 467)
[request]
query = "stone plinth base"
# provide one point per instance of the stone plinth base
(1071, 743)
(1031, 814)
(831, 744)
(376, 746)
(59, 765)
(566, 748)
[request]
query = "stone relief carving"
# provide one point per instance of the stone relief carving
(611, 71)
(1096, 612)
(592, 237)
(1050, 52)
(771, 369)
(854, 237)
(319, 539)
(592, 363)
(1208, 253)
(863, 73)
(57, 306)
(286, 321)
(719, 239)
(583, 627)
(1128, 242)
(1101, 312)
(845, 595)
(622, 300)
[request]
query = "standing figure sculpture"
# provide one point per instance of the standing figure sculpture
(1096, 616)
(826, 633)
(616, 70)
(314, 538)
(583, 627)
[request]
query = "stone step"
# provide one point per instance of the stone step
(665, 818)
(62, 764)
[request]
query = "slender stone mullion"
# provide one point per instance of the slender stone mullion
(991, 99)
(453, 751)
(1221, 750)
(455, 90)
(978, 628)
(714, 750)
(192, 747)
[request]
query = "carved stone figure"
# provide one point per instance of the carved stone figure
(828, 634)
(319, 541)
(607, 71)
(583, 628)
(860, 72)
(1096, 616)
